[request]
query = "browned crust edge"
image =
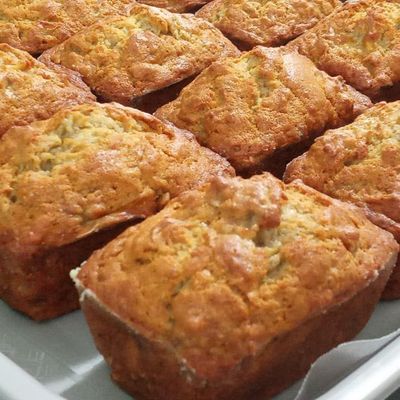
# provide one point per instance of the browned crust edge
(149, 370)
(39, 285)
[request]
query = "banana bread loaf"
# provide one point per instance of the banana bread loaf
(30, 91)
(232, 291)
(123, 58)
(37, 25)
(360, 163)
(74, 181)
(359, 41)
(269, 23)
(254, 108)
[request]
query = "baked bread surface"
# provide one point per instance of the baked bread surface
(359, 41)
(359, 163)
(265, 22)
(38, 25)
(220, 273)
(122, 58)
(87, 166)
(247, 108)
(175, 5)
(30, 91)
(85, 170)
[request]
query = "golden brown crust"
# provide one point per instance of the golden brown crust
(123, 58)
(176, 5)
(38, 25)
(360, 41)
(30, 91)
(359, 163)
(88, 169)
(281, 363)
(267, 23)
(220, 273)
(247, 108)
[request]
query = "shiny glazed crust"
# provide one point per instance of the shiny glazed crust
(216, 280)
(85, 170)
(360, 41)
(359, 163)
(38, 25)
(267, 23)
(30, 91)
(123, 58)
(176, 5)
(249, 107)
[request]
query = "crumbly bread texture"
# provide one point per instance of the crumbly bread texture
(267, 23)
(122, 58)
(30, 91)
(176, 5)
(360, 41)
(38, 25)
(85, 170)
(220, 276)
(249, 107)
(360, 163)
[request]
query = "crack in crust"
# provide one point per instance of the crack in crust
(38, 25)
(266, 22)
(222, 271)
(249, 107)
(359, 41)
(123, 58)
(89, 168)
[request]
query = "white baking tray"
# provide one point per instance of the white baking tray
(57, 360)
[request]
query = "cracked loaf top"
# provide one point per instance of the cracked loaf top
(359, 41)
(38, 25)
(359, 163)
(248, 107)
(122, 58)
(91, 167)
(268, 23)
(220, 272)
(30, 91)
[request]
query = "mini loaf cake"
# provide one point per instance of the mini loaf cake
(37, 25)
(359, 41)
(232, 291)
(71, 183)
(360, 163)
(30, 91)
(176, 5)
(259, 109)
(270, 23)
(124, 58)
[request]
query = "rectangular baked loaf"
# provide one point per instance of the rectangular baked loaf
(176, 5)
(232, 291)
(261, 109)
(359, 41)
(30, 91)
(123, 58)
(269, 23)
(38, 25)
(71, 183)
(360, 163)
